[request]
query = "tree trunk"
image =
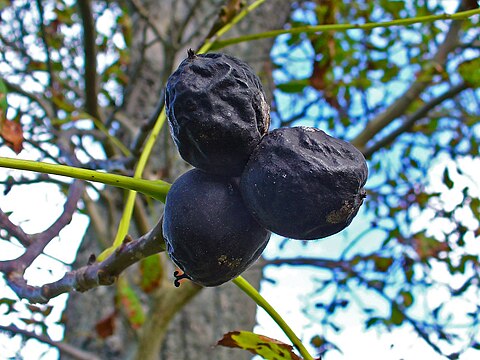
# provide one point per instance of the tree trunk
(214, 311)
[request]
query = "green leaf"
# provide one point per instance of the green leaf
(374, 321)
(130, 303)
(428, 247)
(382, 264)
(9, 303)
(407, 298)
(446, 179)
(3, 103)
(469, 72)
(261, 345)
(465, 259)
(394, 7)
(475, 207)
(396, 317)
(62, 103)
(152, 271)
(125, 23)
(293, 86)
(4, 4)
(321, 344)
(65, 16)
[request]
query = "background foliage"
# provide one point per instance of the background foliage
(406, 96)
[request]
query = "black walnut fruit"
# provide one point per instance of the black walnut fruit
(217, 112)
(209, 232)
(303, 184)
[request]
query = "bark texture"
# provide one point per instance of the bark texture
(172, 27)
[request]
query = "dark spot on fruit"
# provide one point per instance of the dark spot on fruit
(303, 184)
(210, 234)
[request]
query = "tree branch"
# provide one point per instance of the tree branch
(143, 12)
(89, 48)
(14, 230)
(93, 274)
(90, 68)
(317, 262)
(63, 347)
(49, 112)
(145, 129)
(411, 94)
(410, 121)
(41, 240)
(51, 82)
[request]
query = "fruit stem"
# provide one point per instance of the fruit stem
(248, 289)
(209, 42)
(156, 189)
(218, 44)
(191, 54)
(124, 224)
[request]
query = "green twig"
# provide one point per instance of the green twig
(248, 289)
(209, 42)
(115, 141)
(239, 281)
(156, 189)
(128, 210)
(124, 224)
(343, 27)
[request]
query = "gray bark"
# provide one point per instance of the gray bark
(214, 311)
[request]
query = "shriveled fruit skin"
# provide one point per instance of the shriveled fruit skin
(209, 232)
(217, 112)
(303, 184)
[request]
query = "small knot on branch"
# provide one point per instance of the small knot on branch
(91, 259)
(105, 278)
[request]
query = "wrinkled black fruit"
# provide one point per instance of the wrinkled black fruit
(217, 112)
(303, 184)
(209, 232)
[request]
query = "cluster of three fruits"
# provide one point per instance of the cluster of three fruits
(297, 182)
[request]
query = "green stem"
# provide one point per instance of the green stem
(248, 289)
(142, 162)
(129, 204)
(124, 224)
(209, 42)
(125, 151)
(343, 27)
(155, 189)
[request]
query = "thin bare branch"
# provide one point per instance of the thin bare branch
(64, 348)
(402, 103)
(94, 274)
(138, 142)
(300, 115)
(188, 17)
(44, 104)
(304, 261)
(42, 239)
(89, 48)
(412, 119)
(14, 230)
(51, 78)
(143, 12)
